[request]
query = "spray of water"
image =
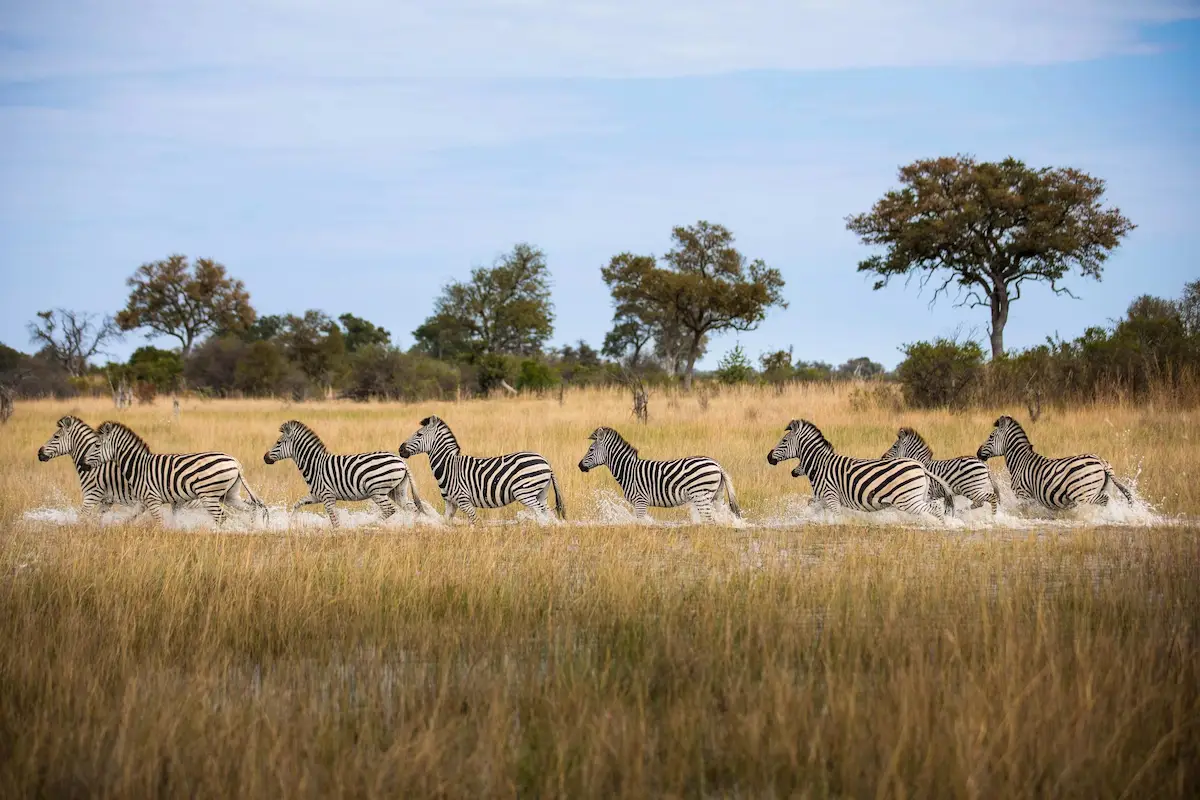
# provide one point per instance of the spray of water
(611, 509)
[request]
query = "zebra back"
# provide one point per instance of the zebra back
(166, 477)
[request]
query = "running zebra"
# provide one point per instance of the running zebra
(966, 475)
(103, 486)
(212, 479)
(468, 483)
(663, 484)
(1053, 482)
(382, 476)
(858, 483)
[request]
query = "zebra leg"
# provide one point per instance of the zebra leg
(640, 511)
(536, 503)
(386, 507)
(469, 510)
(331, 510)
(213, 506)
(307, 500)
(704, 508)
(155, 507)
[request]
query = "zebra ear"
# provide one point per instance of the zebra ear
(426, 421)
(596, 434)
(793, 425)
(65, 421)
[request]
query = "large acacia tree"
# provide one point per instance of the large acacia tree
(701, 287)
(989, 228)
(185, 301)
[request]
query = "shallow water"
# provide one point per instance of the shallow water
(611, 509)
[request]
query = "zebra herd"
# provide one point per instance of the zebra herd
(116, 467)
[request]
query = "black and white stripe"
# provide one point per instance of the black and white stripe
(468, 483)
(965, 475)
(155, 479)
(382, 477)
(663, 484)
(103, 486)
(859, 483)
(1053, 482)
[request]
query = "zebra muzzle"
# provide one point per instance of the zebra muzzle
(42, 455)
(267, 459)
(583, 467)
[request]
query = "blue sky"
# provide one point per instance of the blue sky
(356, 156)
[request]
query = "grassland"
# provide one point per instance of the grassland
(1050, 658)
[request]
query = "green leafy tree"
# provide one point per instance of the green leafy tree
(860, 368)
(536, 375)
(263, 329)
(777, 367)
(162, 368)
(735, 367)
(315, 344)
(260, 369)
(185, 301)
(990, 228)
(504, 309)
(361, 333)
(704, 286)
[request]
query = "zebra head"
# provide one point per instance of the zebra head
(114, 440)
(800, 439)
(601, 448)
(909, 444)
(285, 446)
(72, 437)
(426, 437)
(1005, 433)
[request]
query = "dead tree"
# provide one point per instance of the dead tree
(641, 398)
(6, 404)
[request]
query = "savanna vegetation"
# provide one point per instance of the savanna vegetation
(1041, 656)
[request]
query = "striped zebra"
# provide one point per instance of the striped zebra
(103, 486)
(1053, 482)
(663, 484)
(468, 483)
(965, 475)
(859, 483)
(382, 476)
(154, 479)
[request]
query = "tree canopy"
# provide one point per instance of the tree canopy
(703, 286)
(989, 228)
(504, 309)
(185, 301)
(361, 333)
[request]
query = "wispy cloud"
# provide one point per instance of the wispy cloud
(558, 38)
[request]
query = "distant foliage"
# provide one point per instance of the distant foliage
(941, 373)
(735, 367)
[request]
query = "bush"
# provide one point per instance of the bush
(536, 376)
(941, 373)
(735, 367)
(379, 371)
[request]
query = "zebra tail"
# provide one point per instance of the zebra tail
(730, 494)
(1110, 478)
(560, 508)
(254, 499)
(947, 493)
(398, 493)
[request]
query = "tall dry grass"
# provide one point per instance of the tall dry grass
(600, 660)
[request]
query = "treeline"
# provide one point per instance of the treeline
(1153, 352)
(980, 229)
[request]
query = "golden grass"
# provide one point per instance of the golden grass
(600, 660)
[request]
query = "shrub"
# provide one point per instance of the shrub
(536, 376)
(735, 367)
(941, 373)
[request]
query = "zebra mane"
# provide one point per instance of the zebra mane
(433, 418)
(137, 442)
(295, 426)
(68, 421)
(912, 434)
(797, 424)
(605, 431)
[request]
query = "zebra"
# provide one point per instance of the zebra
(103, 486)
(468, 483)
(158, 478)
(381, 476)
(1053, 482)
(858, 483)
(966, 475)
(663, 484)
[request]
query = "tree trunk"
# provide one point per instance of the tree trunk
(999, 306)
(693, 351)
